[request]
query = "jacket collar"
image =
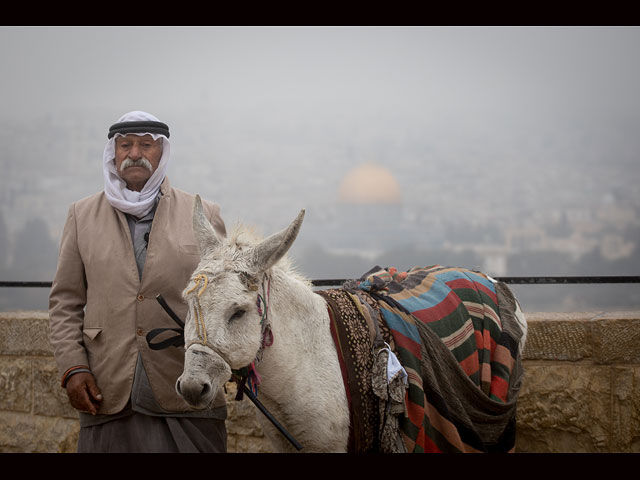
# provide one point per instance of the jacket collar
(165, 186)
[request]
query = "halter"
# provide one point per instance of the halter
(249, 372)
(201, 331)
(240, 376)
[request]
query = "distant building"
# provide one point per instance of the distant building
(370, 185)
(368, 212)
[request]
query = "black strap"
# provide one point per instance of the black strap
(163, 303)
(175, 341)
(146, 126)
(270, 417)
(240, 376)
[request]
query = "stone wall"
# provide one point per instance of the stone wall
(581, 391)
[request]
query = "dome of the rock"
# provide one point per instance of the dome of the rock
(370, 184)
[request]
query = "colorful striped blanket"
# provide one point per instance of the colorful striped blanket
(457, 334)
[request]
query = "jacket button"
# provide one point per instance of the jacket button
(139, 331)
(140, 297)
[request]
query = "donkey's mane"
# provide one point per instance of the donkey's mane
(242, 237)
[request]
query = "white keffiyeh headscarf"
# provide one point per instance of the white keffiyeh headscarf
(115, 188)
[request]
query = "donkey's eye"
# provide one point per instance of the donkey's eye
(238, 314)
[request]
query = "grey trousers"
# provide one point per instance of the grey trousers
(140, 433)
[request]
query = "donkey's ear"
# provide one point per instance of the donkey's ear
(206, 236)
(271, 249)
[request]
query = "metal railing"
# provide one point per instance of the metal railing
(552, 280)
(540, 280)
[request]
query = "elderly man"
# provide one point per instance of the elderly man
(120, 248)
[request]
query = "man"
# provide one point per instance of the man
(120, 248)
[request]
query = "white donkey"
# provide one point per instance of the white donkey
(247, 306)
(301, 383)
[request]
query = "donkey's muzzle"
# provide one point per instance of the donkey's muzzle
(204, 374)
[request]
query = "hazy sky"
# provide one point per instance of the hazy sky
(335, 71)
(293, 99)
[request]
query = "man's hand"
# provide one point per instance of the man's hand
(83, 393)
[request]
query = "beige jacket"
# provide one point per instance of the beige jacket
(100, 311)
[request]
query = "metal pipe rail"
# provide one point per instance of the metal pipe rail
(542, 280)
(534, 280)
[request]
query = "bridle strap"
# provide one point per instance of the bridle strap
(201, 330)
(175, 341)
(240, 380)
(245, 375)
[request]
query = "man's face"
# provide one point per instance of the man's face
(137, 157)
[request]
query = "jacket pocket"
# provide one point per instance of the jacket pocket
(92, 332)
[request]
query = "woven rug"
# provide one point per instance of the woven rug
(456, 333)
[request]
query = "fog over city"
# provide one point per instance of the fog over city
(510, 150)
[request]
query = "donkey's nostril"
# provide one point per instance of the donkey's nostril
(194, 391)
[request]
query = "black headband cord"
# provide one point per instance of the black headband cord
(139, 127)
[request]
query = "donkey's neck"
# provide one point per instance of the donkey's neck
(301, 378)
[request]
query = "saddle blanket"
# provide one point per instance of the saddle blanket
(457, 334)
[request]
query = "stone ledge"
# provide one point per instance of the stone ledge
(602, 337)
(32, 385)
(565, 408)
(24, 433)
(25, 333)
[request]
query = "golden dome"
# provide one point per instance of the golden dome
(370, 184)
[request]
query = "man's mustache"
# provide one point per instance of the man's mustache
(141, 162)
